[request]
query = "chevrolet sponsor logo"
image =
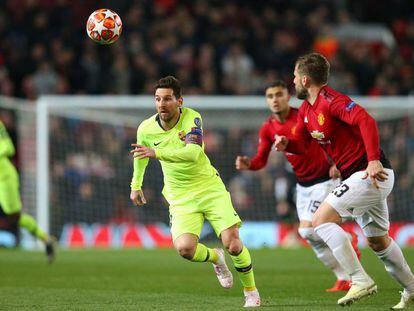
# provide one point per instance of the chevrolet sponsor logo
(326, 142)
(317, 135)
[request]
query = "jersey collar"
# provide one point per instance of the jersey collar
(157, 118)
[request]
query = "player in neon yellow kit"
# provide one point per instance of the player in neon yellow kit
(192, 187)
(10, 202)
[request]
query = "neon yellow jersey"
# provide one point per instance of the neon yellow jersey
(186, 167)
(6, 150)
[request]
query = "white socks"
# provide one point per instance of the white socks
(323, 252)
(337, 240)
(397, 266)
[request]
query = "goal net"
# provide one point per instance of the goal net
(76, 168)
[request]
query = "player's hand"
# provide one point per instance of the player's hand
(242, 163)
(375, 171)
(137, 197)
(142, 152)
(281, 143)
(334, 173)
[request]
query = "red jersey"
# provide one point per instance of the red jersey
(310, 168)
(345, 130)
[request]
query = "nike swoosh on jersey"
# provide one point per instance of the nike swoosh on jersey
(156, 144)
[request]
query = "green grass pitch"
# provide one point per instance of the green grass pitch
(138, 279)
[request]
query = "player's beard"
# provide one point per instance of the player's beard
(302, 92)
(167, 117)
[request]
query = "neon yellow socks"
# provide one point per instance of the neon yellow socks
(204, 254)
(243, 264)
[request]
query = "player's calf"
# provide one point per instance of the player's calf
(398, 268)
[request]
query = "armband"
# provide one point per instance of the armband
(195, 136)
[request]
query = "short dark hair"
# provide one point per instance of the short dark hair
(314, 65)
(170, 82)
(277, 83)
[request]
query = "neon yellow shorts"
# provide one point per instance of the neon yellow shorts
(187, 215)
(10, 201)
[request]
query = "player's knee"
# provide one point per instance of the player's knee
(234, 246)
(325, 214)
(316, 221)
(378, 244)
(186, 251)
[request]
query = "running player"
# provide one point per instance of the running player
(350, 137)
(192, 187)
(10, 202)
(316, 177)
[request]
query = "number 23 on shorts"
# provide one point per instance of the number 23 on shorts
(340, 190)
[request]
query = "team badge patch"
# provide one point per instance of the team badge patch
(350, 106)
(181, 135)
(321, 119)
(293, 130)
(197, 122)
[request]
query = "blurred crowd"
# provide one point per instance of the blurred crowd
(214, 47)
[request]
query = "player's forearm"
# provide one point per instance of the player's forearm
(189, 153)
(264, 147)
(258, 162)
(370, 136)
(139, 171)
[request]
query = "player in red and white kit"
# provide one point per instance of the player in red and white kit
(316, 177)
(350, 137)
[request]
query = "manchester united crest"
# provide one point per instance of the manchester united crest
(293, 130)
(321, 119)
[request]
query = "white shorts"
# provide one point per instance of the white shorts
(356, 198)
(308, 199)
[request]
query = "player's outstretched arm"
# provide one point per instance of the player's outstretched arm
(137, 197)
(140, 165)
(242, 163)
(259, 160)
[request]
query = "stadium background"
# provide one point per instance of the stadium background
(214, 48)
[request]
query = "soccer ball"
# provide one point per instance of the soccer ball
(104, 26)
